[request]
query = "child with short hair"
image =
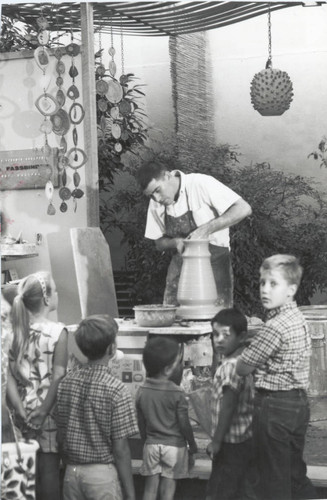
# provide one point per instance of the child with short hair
(96, 417)
(162, 411)
(279, 356)
(232, 406)
(38, 361)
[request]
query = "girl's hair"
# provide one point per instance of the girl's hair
(287, 264)
(33, 292)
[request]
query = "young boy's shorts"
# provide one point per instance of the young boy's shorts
(169, 461)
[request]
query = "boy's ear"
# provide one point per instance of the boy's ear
(292, 289)
(112, 350)
(243, 337)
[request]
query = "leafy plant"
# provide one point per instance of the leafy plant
(321, 152)
(16, 36)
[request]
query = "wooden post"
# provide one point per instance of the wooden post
(90, 123)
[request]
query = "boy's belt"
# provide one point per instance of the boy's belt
(281, 394)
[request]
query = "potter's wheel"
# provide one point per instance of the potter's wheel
(198, 312)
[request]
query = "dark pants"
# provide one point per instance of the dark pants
(47, 483)
(232, 472)
(280, 423)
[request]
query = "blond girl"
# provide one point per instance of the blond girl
(38, 362)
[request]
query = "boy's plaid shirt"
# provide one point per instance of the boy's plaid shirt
(281, 351)
(93, 409)
(225, 376)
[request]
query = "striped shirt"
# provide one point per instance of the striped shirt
(281, 351)
(94, 408)
(225, 376)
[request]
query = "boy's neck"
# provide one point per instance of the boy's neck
(104, 361)
(161, 376)
(235, 353)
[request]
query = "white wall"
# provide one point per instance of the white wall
(299, 47)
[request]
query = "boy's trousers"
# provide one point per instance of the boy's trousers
(280, 423)
(232, 475)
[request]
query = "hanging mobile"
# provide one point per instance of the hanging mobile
(49, 195)
(101, 86)
(76, 157)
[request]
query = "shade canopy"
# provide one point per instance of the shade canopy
(145, 18)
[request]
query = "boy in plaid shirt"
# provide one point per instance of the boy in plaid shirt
(232, 406)
(95, 417)
(279, 356)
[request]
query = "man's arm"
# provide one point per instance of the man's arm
(233, 215)
(122, 455)
(166, 243)
(228, 407)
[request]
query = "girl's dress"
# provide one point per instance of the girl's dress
(36, 367)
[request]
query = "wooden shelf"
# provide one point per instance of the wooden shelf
(18, 250)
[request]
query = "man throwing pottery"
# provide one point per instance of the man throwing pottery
(195, 206)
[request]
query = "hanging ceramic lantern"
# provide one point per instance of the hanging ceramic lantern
(271, 89)
(271, 92)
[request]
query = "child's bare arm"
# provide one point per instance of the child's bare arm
(228, 407)
(185, 426)
(122, 455)
(141, 423)
(13, 395)
(60, 360)
(243, 369)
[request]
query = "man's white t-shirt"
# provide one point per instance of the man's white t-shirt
(204, 195)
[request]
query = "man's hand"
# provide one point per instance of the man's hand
(180, 245)
(200, 233)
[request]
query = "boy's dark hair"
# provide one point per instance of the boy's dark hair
(231, 317)
(288, 264)
(95, 334)
(148, 171)
(158, 353)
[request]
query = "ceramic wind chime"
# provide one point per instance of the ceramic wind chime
(46, 104)
(114, 106)
(75, 155)
(61, 126)
(271, 89)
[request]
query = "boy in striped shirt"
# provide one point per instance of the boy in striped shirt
(232, 405)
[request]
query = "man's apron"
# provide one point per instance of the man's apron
(182, 227)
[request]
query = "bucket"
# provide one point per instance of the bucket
(18, 469)
(316, 317)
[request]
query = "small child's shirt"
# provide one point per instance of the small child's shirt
(241, 426)
(159, 403)
(281, 351)
(94, 408)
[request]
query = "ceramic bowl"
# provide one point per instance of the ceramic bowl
(155, 314)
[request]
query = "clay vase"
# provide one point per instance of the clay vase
(197, 292)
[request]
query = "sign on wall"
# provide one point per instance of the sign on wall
(28, 169)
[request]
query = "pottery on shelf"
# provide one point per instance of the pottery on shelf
(197, 292)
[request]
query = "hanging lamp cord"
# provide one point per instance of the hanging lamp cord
(122, 46)
(269, 62)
